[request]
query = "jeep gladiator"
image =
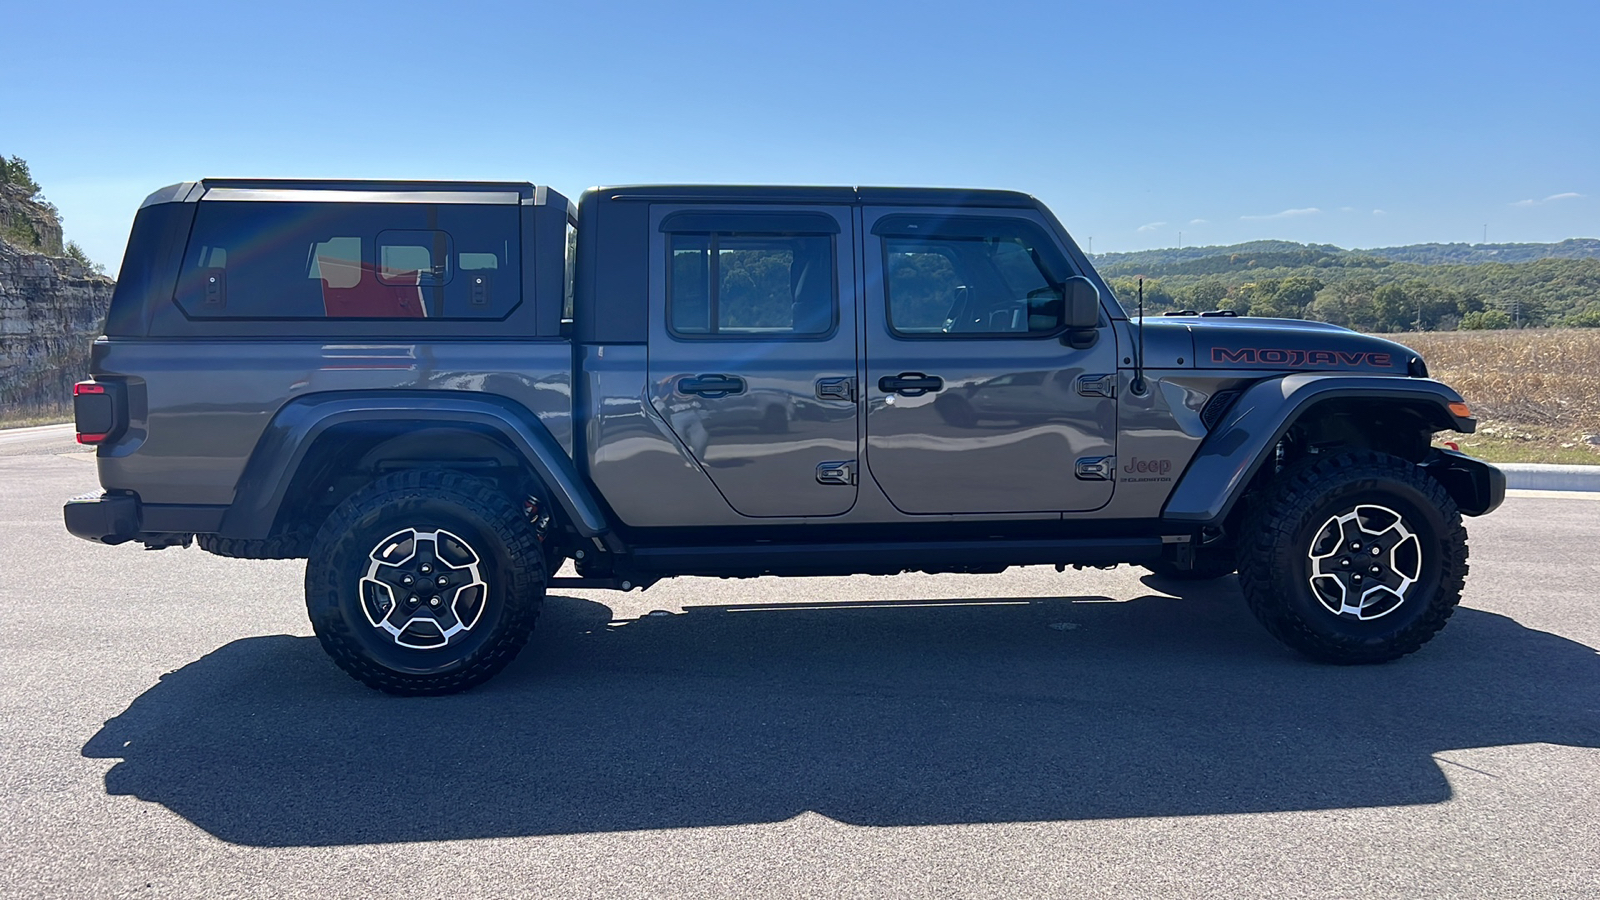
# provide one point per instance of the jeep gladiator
(439, 393)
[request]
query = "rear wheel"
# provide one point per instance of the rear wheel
(1355, 558)
(425, 582)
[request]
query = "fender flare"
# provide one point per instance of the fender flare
(298, 424)
(1242, 442)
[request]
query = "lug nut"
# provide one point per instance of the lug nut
(1345, 562)
(407, 580)
(1356, 577)
(433, 601)
(425, 568)
(1354, 545)
(1376, 570)
(413, 600)
(442, 581)
(1376, 550)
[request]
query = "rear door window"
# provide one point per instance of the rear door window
(291, 260)
(738, 276)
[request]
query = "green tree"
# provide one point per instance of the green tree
(14, 171)
(1483, 320)
(75, 253)
(1203, 295)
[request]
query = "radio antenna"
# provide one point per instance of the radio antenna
(1138, 359)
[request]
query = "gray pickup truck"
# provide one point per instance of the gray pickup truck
(439, 393)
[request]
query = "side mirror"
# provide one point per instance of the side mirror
(1082, 313)
(1083, 303)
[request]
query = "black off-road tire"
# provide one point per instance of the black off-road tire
(1209, 565)
(511, 561)
(1275, 564)
(291, 545)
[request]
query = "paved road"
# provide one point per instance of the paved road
(38, 441)
(171, 730)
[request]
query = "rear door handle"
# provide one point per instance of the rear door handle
(910, 384)
(711, 385)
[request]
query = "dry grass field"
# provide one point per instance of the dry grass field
(1536, 392)
(49, 414)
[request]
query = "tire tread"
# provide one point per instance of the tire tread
(524, 589)
(1270, 525)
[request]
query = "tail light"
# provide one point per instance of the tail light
(98, 410)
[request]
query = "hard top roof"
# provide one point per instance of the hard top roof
(525, 192)
(354, 190)
(897, 196)
(523, 188)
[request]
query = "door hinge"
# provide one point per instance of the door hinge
(836, 389)
(1096, 468)
(1097, 385)
(837, 472)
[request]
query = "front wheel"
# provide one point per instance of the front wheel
(424, 582)
(1355, 558)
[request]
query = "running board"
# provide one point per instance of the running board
(891, 557)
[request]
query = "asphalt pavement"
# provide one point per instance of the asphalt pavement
(170, 728)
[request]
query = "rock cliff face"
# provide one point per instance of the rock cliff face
(28, 223)
(51, 309)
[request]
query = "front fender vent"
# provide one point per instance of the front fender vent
(1214, 409)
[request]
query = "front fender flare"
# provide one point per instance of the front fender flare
(1246, 437)
(297, 425)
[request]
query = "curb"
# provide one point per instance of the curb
(1541, 477)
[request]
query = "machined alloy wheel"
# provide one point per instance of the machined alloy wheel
(1364, 562)
(424, 588)
(425, 582)
(1357, 557)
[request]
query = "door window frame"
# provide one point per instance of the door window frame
(931, 227)
(712, 224)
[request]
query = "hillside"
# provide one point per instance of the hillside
(1428, 286)
(52, 302)
(1271, 253)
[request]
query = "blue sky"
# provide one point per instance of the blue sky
(1349, 123)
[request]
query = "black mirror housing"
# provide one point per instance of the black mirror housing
(1083, 303)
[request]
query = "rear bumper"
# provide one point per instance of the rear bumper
(103, 518)
(107, 518)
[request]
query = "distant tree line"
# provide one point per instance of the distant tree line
(1371, 293)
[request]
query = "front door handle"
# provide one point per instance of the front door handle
(711, 385)
(910, 384)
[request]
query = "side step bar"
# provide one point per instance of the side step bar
(889, 557)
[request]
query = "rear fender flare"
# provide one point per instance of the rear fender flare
(298, 424)
(1245, 439)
